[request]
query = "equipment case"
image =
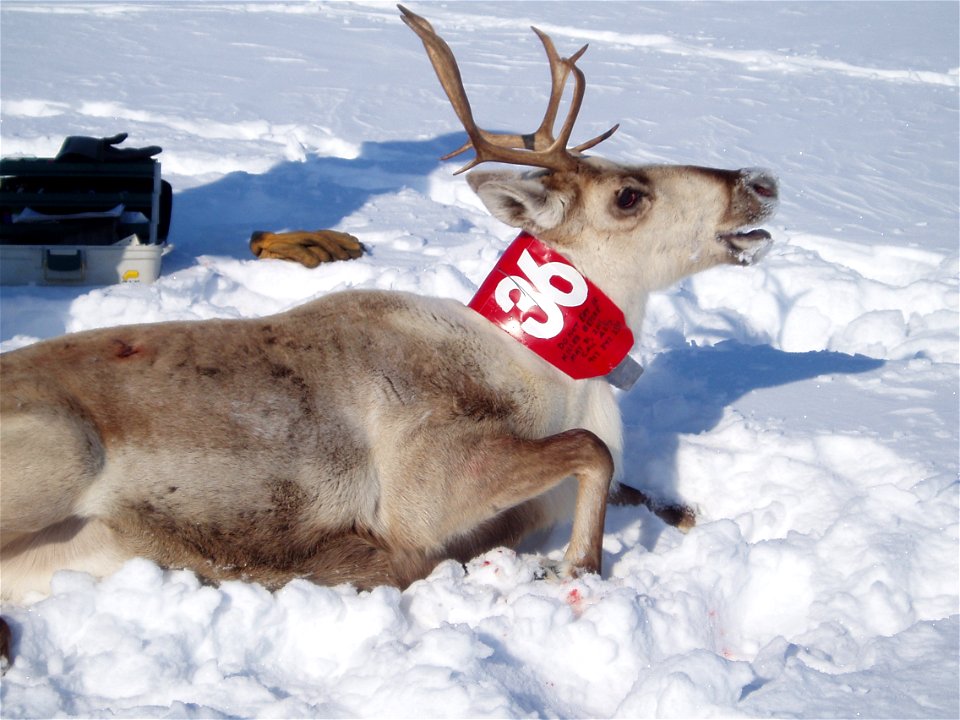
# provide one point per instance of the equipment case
(82, 223)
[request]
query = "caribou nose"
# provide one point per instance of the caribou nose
(762, 183)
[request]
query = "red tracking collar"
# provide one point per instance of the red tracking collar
(536, 295)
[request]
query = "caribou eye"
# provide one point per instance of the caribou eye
(628, 198)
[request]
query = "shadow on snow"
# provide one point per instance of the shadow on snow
(685, 392)
(218, 218)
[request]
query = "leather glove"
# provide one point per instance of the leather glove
(78, 148)
(306, 247)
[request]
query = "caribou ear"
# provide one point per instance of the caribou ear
(520, 200)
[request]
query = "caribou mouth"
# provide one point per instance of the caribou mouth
(747, 246)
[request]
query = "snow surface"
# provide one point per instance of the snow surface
(806, 406)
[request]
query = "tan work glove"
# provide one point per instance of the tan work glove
(307, 247)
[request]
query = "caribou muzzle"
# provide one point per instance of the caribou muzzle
(757, 196)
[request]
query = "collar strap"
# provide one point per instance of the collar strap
(537, 296)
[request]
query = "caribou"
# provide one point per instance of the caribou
(366, 436)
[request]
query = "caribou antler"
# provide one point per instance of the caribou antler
(537, 149)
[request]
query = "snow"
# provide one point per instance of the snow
(807, 406)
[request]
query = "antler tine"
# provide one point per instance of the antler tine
(537, 149)
(444, 64)
(542, 138)
(550, 152)
(559, 72)
(568, 64)
(595, 141)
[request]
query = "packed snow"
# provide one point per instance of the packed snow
(806, 407)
